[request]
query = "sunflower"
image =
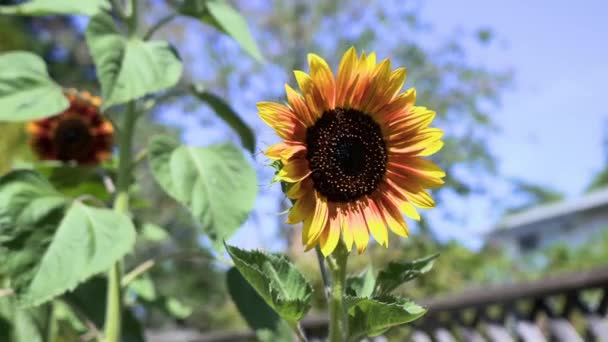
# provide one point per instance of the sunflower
(352, 152)
(80, 134)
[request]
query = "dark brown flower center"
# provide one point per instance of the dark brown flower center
(73, 140)
(347, 154)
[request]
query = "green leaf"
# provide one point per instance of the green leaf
(220, 15)
(144, 288)
(276, 280)
(372, 317)
(216, 183)
(74, 181)
(129, 68)
(153, 232)
(26, 90)
(223, 110)
(27, 199)
(260, 317)
(50, 7)
(88, 241)
(399, 273)
(178, 309)
(361, 285)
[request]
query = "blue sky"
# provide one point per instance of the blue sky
(552, 119)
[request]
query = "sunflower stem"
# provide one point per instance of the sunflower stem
(121, 205)
(323, 269)
(338, 325)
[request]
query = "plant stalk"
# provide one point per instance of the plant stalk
(114, 308)
(338, 325)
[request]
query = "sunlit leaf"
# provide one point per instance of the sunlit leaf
(225, 112)
(397, 273)
(374, 316)
(219, 14)
(178, 309)
(129, 68)
(216, 183)
(276, 280)
(26, 90)
(48, 7)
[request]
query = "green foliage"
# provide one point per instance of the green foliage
(88, 240)
(89, 299)
(153, 232)
(23, 78)
(374, 316)
(128, 67)
(398, 273)
(26, 324)
(361, 285)
(223, 17)
(49, 7)
(223, 110)
(259, 316)
(276, 280)
(216, 183)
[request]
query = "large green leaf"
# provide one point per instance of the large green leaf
(219, 14)
(374, 316)
(216, 183)
(267, 325)
(27, 199)
(397, 273)
(26, 90)
(276, 280)
(48, 7)
(129, 68)
(88, 241)
(223, 110)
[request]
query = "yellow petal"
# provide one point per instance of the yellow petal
(393, 218)
(331, 234)
(323, 78)
(299, 189)
(295, 170)
(302, 208)
(314, 224)
(357, 225)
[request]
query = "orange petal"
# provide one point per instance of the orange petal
(294, 170)
(413, 169)
(412, 192)
(312, 95)
(346, 73)
(357, 224)
(302, 208)
(347, 234)
(411, 120)
(298, 105)
(413, 142)
(283, 120)
(393, 218)
(375, 222)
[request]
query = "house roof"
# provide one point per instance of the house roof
(592, 200)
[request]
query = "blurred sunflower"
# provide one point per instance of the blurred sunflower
(352, 152)
(80, 134)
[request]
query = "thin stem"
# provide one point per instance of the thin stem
(323, 270)
(300, 332)
(162, 22)
(51, 323)
(121, 205)
(132, 13)
(137, 271)
(338, 325)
